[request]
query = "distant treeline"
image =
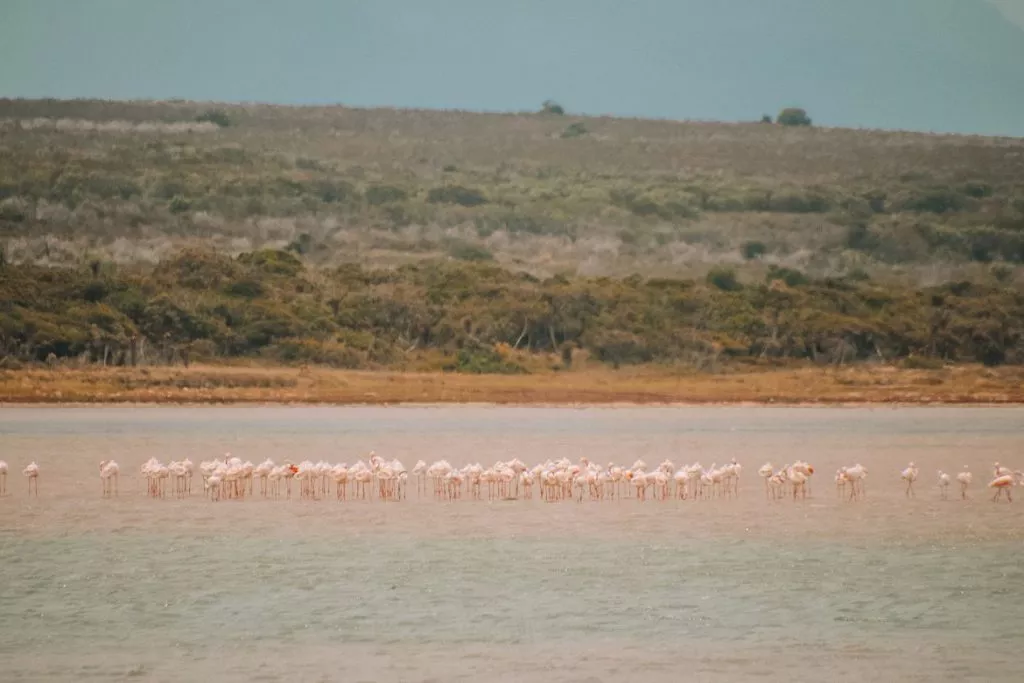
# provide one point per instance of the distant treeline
(478, 317)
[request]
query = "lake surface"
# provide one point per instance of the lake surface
(717, 590)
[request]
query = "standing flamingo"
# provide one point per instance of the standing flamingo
(109, 472)
(965, 479)
(32, 472)
(944, 481)
(3, 478)
(909, 475)
(1001, 484)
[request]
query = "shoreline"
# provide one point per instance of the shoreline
(239, 386)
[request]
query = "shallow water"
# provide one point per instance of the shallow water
(719, 590)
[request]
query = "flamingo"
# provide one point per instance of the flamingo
(965, 479)
(213, 486)
(1001, 484)
(32, 472)
(3, 478)
(944, 481)
(909, 475)
(109, 472)
(841, 481)
(856, 476)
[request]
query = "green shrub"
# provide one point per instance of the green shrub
(376, 195)
(753, 250)
(552, 107)
(934, 200)
(484, 361)
(793, 116)
(467, 251)
(1002, 273)
(575, 130)
(218, 117)
(456, 194)
(724, 278)
(179, 205)
(272, 261)
(792, 277)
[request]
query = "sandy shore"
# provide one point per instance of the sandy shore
(968, 384)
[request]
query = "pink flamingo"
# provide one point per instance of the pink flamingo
(1001, 484)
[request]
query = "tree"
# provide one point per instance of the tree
(793, 116)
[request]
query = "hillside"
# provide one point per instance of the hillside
(85, 180)
(418, 240)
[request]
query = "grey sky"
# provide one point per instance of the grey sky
(944, 65)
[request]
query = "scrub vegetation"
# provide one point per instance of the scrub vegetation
(172, 232)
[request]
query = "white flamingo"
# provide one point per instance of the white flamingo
(109, 472)
(32, 473)
(765, 472)
(856, 476)
(909, 475)
(944, 481)
(965, 478)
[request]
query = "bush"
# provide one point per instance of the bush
(179, 205)
(575, 130)
(467, 251)
(934, 200)
(218, 117)
(552, 107)
(329, 192)
(792, 277)
(724, 278)
(376, 195)
(485, 361)
(1002, 273)
(272, 261)
(766, 118)
(753, 250)
(793, 116)
(456, 194)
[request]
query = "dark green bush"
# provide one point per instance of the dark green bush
(467, 251)
(792, 277)
(724, 278)
(456, 194)
(575, 130)
(793, 116)
(753, 250)
(218, 117)
(384, 194)
(552, 107)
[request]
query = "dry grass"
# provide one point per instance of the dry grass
(214, 384)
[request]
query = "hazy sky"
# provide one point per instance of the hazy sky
(944, 65)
